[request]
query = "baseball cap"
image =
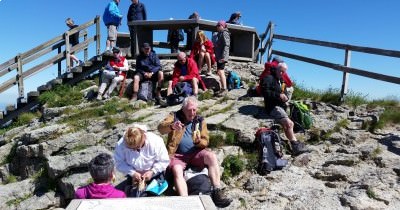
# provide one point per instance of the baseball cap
(146, 45)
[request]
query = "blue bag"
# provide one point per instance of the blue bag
(157, 186)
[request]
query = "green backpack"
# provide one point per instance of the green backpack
(301, 117)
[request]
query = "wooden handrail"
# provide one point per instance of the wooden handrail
(370, 50)
(37, 52)
(360, 72)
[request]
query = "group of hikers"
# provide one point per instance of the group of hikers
(141, 155)
(202, 52)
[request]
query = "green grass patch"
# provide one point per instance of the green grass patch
(205, 95)
(10, 179)
(62, 95)
(252, 160)
(216, 140)
(233, 166)
(23, 119)
(15, 202)
(78, 148)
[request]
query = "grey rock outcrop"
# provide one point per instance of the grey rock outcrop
(347, 167)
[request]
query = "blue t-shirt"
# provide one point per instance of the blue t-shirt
(186, 145)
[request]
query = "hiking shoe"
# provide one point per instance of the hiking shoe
(219, 198)
(99, 97)
(298, 148)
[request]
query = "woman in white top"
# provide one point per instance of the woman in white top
(140, 155)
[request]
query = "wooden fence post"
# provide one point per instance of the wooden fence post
(59, 63)
(67, 51)
(85, 51)
(271, 37)
(345, 79)
(19, 77)
(97, 20)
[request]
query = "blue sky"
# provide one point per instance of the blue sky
(26, 24)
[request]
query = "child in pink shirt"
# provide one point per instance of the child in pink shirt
(101, 169)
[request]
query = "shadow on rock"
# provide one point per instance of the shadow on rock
(254, 110)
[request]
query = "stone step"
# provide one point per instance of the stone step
(32, 96)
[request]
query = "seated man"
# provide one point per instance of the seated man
(140, 155)
(115, 71)
(186, 145)
(275, 99)
(185, 70)
(148, 67)
(276, 62)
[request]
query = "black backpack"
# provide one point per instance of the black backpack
(269, 147)
(180, 92)
(146, 91)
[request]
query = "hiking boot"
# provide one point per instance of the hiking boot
(106, 96)
(298, 148)
(219, 198)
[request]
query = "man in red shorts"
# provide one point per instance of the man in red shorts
(187, 142)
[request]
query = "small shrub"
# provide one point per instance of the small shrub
(10, 179)
(26, 118)
(371, 193)
(216, 140)
(343, 123)
(205, 95)
(230, 137)
(110, 122)
(376, 152)
(233, 166)
(252, 160)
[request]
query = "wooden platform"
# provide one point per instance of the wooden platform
(201, 202)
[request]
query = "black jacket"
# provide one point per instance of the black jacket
(137, 12)
(271, 89)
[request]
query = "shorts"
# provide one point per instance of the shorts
(112, 33)
(278, 113)
(195, 159)
(154, 77)
(221, 65)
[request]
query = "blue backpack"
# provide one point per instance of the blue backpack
(233, 80)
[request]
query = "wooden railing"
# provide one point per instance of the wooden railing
(57, 43)
(266, 46)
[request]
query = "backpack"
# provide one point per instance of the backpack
(179, 93)
(198, 182)
(269, 147)
(233, 80)
(146, 91)
(301, 117)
